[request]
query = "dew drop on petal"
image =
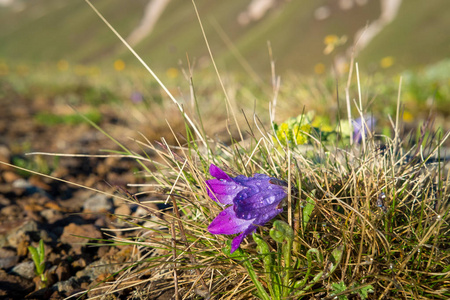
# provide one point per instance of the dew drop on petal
(270, 200)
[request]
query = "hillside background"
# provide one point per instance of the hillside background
(399, 34)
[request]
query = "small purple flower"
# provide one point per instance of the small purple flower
(250, 201)
(369, 124)
(136, 97)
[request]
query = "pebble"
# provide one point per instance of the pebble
(18, 235)
(25, 269)
(11, 210)
(123, 209)
(51, 215)
(63, 271)
(8, 262)
(9, 176)
(66, 286)
(74, 234)
(98, 203)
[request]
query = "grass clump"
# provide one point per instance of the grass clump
(371, 223)
(364, 219)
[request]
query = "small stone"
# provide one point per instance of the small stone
(21, 184)
(123, 209)
(25, 269)
(141, 212)
(6, 252)
(9, 176)
(11, 210)
(37, 182)
(51, 215)
(67, 286)
(22, 233)
(63, 271)
(78, 235)
(22, 247)
(4, 201)
(98, 203)
(101, 222)
(8, 262)
(79, 263)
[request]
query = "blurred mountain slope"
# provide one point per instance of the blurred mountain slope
(50, 30)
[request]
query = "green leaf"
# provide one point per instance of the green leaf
(307, 210)
(272, 278)
(337, 255)
(364, 291)
(35, 257)
(41, 251)
(281, 231)
(339, 288)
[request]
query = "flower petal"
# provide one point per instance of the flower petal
(223, 191)
(250, 207)
(227, 223)
(368, 123)
(257, 213)
(215, 171)
(238, 240)
(266, 217)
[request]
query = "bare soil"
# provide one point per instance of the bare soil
(34, 207)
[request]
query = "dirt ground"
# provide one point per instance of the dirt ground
(34, 207)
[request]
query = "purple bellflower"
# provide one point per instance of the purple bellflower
(369, 124)
(249, 201)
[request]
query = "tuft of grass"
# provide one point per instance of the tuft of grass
(345, 238)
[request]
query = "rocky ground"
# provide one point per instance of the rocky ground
(33, 207)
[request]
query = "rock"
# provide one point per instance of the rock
(12, 211)
(3, 200)
(18, 235)
(9, 176)
(22, 248)
(79, 263)
(25, 269)
(38, 182)
(66, 286)
(51, 215)
(25, 186)
(107, 265)
(9, 261)
(63, 271)
(21, 183)
(98, 203)
(78, 235)
(123, 209)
